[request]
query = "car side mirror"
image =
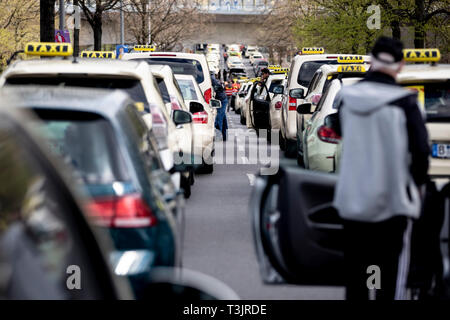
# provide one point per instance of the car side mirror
(216, 104)
(298, 93)
(195, 107)
(181, 117)
(277, 89)
(304, 108)
(176, 284)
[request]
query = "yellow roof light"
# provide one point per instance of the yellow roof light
(98, 54)
(351, 68)
(313, 50)
(48, 49)
(144, 47)
(422, 55)
(350, 59)
(274, 67)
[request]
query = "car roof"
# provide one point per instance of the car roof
(165, 55)
(105, 103)
(82, 65)
(427, 72)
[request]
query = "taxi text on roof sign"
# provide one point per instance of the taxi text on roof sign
(351, 68)
(48, 49)
(274, 66)
(144, 47)
(350, 59)
(313, 50)
(98, 54)
(422, 55)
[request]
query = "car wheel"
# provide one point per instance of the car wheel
(282, 141)
(242, 119)
(191, 178)
(208, 168)
(186, 185)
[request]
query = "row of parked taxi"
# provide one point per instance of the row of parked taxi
(96, 157)
(297, 232)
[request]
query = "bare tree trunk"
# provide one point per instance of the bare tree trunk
(396, 32)
(98, 35)
(47, 20)
(419, 26)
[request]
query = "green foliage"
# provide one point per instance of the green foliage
(338, 26)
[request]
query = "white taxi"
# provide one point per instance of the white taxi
(431, 81)
(301, 72)
(181, 63)
(204, 116)
(322, 77)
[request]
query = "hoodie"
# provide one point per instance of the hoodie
(376, 181)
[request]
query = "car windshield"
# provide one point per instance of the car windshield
(308, 69)
(262, 63)
(132, 87)
(181, 66)
(187, 89)
(435, 99)
(86, 141)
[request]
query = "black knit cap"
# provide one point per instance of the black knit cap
(388, 45)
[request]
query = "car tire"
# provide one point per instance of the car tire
(186, 185)
(208, 168)
(290, 150)
(243, 119)
(282, 141)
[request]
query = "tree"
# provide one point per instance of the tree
(94, 16)
(47, 20)
(19, 23)
(171, 21)
(339, 26)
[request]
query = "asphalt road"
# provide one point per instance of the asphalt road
(219, 240)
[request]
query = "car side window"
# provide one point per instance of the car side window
(39, 242)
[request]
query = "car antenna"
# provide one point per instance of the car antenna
(13, 56)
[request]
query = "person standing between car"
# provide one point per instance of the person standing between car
(228, 92)
(221, 122)
(384, 162)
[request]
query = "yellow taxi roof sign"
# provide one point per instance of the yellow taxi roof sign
(350, 59)
(274, 66)
(422, 55)
(314, 50)
(48, 49)
(98, 54)
(144, 47)
(351, 68)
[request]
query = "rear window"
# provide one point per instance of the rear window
(434, 98)
(87, 142)
(181, 66)
(308, 69)
(262, 63)
(275, 83)
(132, 87)
(187, 89)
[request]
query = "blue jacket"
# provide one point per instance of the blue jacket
(219, 89)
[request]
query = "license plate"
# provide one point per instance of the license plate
(441, 150)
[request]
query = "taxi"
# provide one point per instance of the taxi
(173, 99)
(241, 95)
(349, 66)
(300, 74)
(320, 142)
(431, 81)
(204, 116)
(135, 78)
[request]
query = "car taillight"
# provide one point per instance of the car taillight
(174, 103)
(200, 117)
(292, 104)
(278, 105)
(327, 134)
(316, 98)
(157, 117)
(128, 211)
(208, 95)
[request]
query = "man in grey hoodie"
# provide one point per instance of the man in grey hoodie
(384, 161)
